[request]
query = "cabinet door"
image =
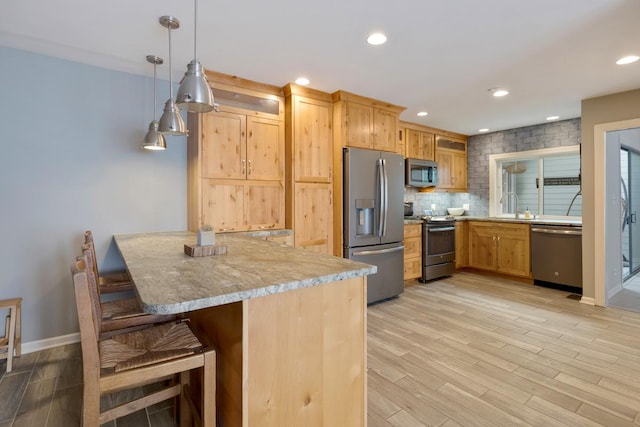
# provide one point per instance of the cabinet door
(482, 240)
(264, 206)
(313, 151)
(445, 164)
(265, 142)
(513, 250)
(428, 146)
(385, 131)
(459, 171)
(223, 205)
(223, 145)
(462, 244)
(413, 143)
(314, 217)
(358, 125)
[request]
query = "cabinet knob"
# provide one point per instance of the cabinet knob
(250, 167)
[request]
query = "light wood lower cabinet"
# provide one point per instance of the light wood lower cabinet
(295, 358)
(500, 247)
(462, 244)
(233, 205)
(313, 217)
(412, 251)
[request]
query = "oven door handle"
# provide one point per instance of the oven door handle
(440, 229)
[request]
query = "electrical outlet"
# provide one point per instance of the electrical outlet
(433, 206)
(465, 206)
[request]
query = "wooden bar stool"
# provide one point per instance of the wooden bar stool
(12, 338)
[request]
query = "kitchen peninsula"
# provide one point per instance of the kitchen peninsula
(289, 325)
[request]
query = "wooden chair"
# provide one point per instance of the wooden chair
(11, 342)
(125, 361)
(118, 281)
(119, 314)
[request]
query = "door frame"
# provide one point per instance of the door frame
(601, 227)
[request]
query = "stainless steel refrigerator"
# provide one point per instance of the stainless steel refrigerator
(373, 213)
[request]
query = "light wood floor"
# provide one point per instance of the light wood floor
(480, 351)
(469, 350)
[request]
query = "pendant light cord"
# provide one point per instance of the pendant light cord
(170, 77)
(154, 91)
(195, 28)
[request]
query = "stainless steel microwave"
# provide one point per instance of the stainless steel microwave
(420, 173)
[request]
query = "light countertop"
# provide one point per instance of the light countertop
(169, 281)
(521, 220)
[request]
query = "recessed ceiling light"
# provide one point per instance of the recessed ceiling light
(499, 92)
(376, 39)
(553, 117)
(422, 114)
(302, 81)
(483, 130)
(627, 60)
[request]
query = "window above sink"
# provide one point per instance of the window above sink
(545, 182)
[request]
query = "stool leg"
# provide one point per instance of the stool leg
(18, 337)
(12, 334)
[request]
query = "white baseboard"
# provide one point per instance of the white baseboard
(588, 300)
(33, 346)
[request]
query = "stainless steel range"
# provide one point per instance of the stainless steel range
(438, 246)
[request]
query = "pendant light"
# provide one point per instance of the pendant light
(171, 122)
(194, 93)
(154, 140)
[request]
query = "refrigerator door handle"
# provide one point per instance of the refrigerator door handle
(381, 195)
(385, 208)
(380, 251)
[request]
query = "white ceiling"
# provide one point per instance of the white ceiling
(442, 56)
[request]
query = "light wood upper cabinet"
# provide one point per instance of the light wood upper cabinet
(265, 149)
(358, 122)
(310, 164)
(223, 145)
(312, 156)
(367, 123)
(386, 131)
(236, 159)
(500, 247)
(419, 144)
(451, 156)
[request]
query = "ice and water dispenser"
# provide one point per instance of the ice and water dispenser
(365, 222)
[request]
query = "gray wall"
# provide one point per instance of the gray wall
(70, 162)
(546, 135)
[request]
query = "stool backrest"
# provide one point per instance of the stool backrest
(88, 244)
(88, 320)
(88, 263)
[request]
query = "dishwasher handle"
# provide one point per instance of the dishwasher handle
(563, 231)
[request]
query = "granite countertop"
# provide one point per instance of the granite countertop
(537, 221)
(169, 281)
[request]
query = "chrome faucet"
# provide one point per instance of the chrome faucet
(514, 195)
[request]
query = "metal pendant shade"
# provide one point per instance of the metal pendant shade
(194, 93)
(154, 140)
(171, 122)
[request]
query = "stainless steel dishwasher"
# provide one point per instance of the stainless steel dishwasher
(556, 254)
